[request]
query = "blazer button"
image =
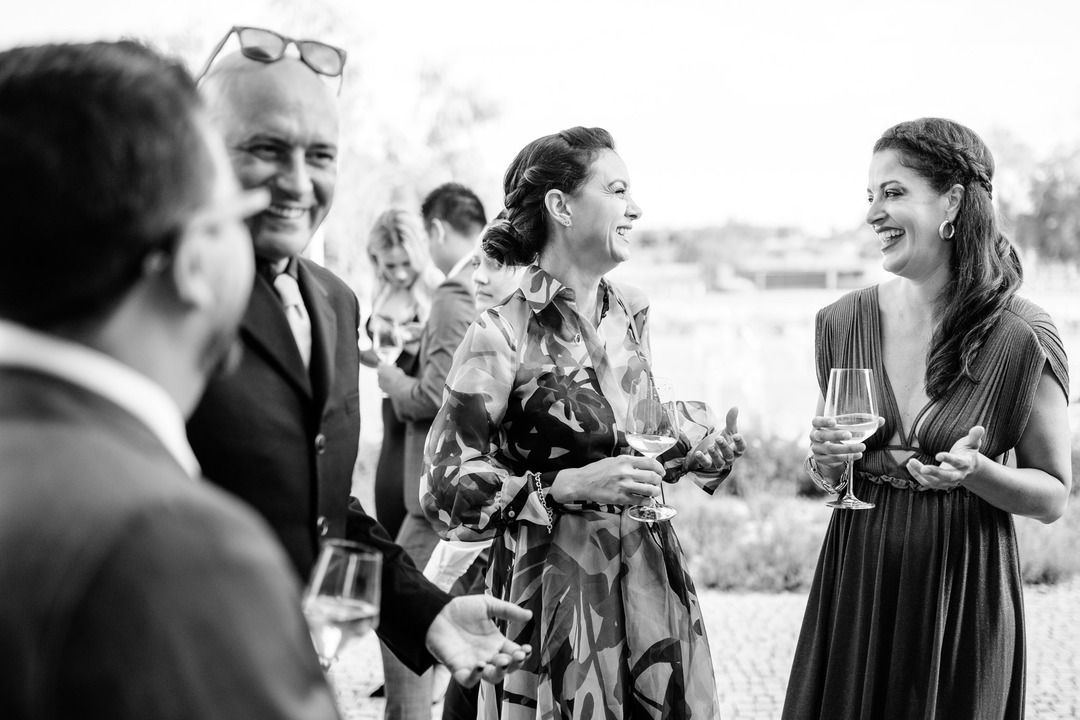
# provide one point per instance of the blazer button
(323, 526)
(320, 444)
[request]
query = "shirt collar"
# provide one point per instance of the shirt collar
(540, 289)
(460, 265)
(105, 376)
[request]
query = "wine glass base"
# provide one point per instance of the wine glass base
(651, 513)
(852, 503)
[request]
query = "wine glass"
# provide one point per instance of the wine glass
(341, 601)
(849, 399)
(651, 428)
(386, 339)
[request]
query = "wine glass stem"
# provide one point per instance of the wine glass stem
(849, 493)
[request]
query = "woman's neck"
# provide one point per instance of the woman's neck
(583, 282)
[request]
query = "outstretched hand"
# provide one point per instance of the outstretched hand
(718, 450)
(955, 466)
(464, 638)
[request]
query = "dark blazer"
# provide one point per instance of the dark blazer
(285, 440)
(417, 399)
(129, 589)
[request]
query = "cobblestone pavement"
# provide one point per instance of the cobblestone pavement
(753, 641)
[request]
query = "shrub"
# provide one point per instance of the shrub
(764, 544)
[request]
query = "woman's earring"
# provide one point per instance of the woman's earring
(566, 222)
(946, 230)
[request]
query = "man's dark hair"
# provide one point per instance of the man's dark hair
(457, 205)
(102, 157)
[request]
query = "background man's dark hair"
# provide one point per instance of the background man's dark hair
(102, 156)
(457, 205)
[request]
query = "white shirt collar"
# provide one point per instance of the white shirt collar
(461, 264)
(134, 392)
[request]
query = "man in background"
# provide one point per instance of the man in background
(453, 217)
(129, 588)
(282, 433)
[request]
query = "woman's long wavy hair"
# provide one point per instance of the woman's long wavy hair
(561, 161)
(986, 270)
(400, 228)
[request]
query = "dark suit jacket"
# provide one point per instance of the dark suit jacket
(128, 589)
(417, 399)
(285, 440)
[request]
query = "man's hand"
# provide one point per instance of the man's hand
(464, 638)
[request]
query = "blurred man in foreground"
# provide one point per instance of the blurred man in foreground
(129, 588)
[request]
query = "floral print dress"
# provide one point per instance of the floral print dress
(616, 628)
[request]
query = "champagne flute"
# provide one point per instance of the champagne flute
(849, 399)
(651, 429)
(341, 601)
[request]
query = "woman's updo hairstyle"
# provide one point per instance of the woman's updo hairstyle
(561, 161)
(986, 270)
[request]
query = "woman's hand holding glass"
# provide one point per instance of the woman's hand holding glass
(832, 450)
(619, 480)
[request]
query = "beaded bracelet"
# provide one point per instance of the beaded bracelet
(535, 477)
(811, 468)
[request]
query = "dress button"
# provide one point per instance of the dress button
(322, 525)
(320, 444)
(511, 513)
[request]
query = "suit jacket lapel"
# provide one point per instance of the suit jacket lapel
(323, 332)
(267, 328)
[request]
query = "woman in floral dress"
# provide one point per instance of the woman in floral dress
(528, 450)
(916, 609)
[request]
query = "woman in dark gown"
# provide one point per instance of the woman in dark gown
(916, 609)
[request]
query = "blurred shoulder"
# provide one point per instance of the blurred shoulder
(849, 303)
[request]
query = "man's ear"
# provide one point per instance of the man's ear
(191, 267)
(558, 206)
(437, 231)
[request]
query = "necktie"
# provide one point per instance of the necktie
(296, 313)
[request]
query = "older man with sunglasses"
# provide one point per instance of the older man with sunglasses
(282, 432)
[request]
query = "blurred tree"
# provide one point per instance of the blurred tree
(1052, 227)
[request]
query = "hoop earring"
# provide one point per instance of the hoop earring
(946, 230)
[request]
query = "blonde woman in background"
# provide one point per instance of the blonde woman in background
(405, 279)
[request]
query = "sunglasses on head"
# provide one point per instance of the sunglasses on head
(268, 46)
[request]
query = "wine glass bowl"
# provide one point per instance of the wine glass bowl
(386, 339)
(341, 601)
(651, 429)
(849, 400)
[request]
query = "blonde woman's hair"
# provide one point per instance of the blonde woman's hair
(400, 228)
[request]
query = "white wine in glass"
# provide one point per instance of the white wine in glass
(386, 339)
(651, 429)
(849, 400)
(341, 601)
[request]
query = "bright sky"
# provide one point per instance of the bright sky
(755, 110)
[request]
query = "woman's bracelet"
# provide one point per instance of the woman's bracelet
(811, 468)
(535, 477)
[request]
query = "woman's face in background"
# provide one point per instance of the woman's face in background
(394, 266)
(494, 282)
